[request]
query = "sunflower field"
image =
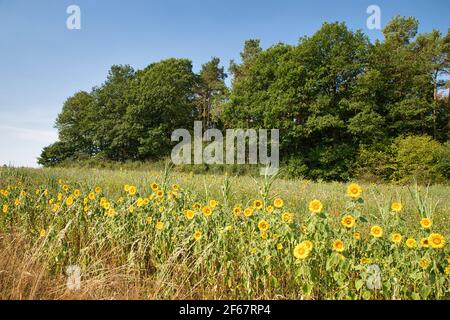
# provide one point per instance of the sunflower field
(169, 235)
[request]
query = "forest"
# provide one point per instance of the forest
(345, 107)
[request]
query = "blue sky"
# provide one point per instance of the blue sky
(42, 62)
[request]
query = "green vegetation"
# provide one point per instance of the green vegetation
(344, 106)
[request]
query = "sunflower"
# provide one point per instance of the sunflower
(91, 196)
(424, 243)
(197, 235)
(279, 246)
(301, 251)
(436, 240)
(175, 187)
(315, 206)
(264, 235)
(248, 212)
(69, 201)
(447, 271)
(424, 263)
(287, 217)
(278, 203)
(76, 193)
(159, 225)
(154, 186)
(126, 188)
(159, 193)
(213, 203)
(354, 190)
(396, 238)
(189, 214)
(196, 206)
(426, 223)
(396, 207)
(110, 212)
(365, 261)
(269, 209)
(348, 221)
(357, 236)
(42, 233)
(149, 219)
(411, 243)
(132, 191)
(338, 246)
(263, 225)
(258, 204)
(237, 211)
(207, 211)
(5, 208)
(448, 260)
(376, 231)
(309, 245)
(98, 190)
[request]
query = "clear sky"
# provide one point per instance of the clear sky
(42, 62)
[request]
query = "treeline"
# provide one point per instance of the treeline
(339, 101)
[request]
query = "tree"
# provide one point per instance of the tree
(211, 90)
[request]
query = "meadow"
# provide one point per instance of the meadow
(164, 234)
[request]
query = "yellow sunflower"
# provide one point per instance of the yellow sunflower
(411, 243)
(424, 263)
(263, 225)
(424, 243)
(197, 235)
(396, 238)
(207, 211)
(426, 223)
(338, 246)
(237, 211)
(301, 251)
(396, 207)
(189, 214)
(269, 209)
(348, 221)
(159, 225)
(376, 231)
(258, 204)
(357, 236)
(278, 203)
(287, 217)
(436, 240)
(354, 190)
(154, 186)
(248, 212)
(315, 206)
(447, 271)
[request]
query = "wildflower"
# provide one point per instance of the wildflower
(447, 271)
(161, 209)
(55, 207)
(132, 190)
(17, 202)
(357, 236)
(396, 207)
(237, 211)
(424, 243)
(91, 196)
(411, 243)
(159, 225)
(436, 240)
(5, 208)
(197, 235)
(269, 209)
(424, 263)
(376, 231)
(278, 203)
(348, 221)
(196, 206)
(98, 189)
(213, 204)
(42, 233)
(175, 187)
(396, 238)
(159, 194)
(354, 191)
(154, 186)
(130, 209)
(140, 202)
(287, 217)
(315, 206)
(65, 187)
(309, 245)
(365, 261)
(279, 246)
(263, 225)
(111, 212)
(207, 211)
(189, 214)
(264, 235)
(426, 223)
(149, 219)
(248, 212)
(258, 204)
(76, 193)
(69, 201)
(301, 251)
(338, 246)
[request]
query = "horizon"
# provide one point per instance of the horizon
(44, 62)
